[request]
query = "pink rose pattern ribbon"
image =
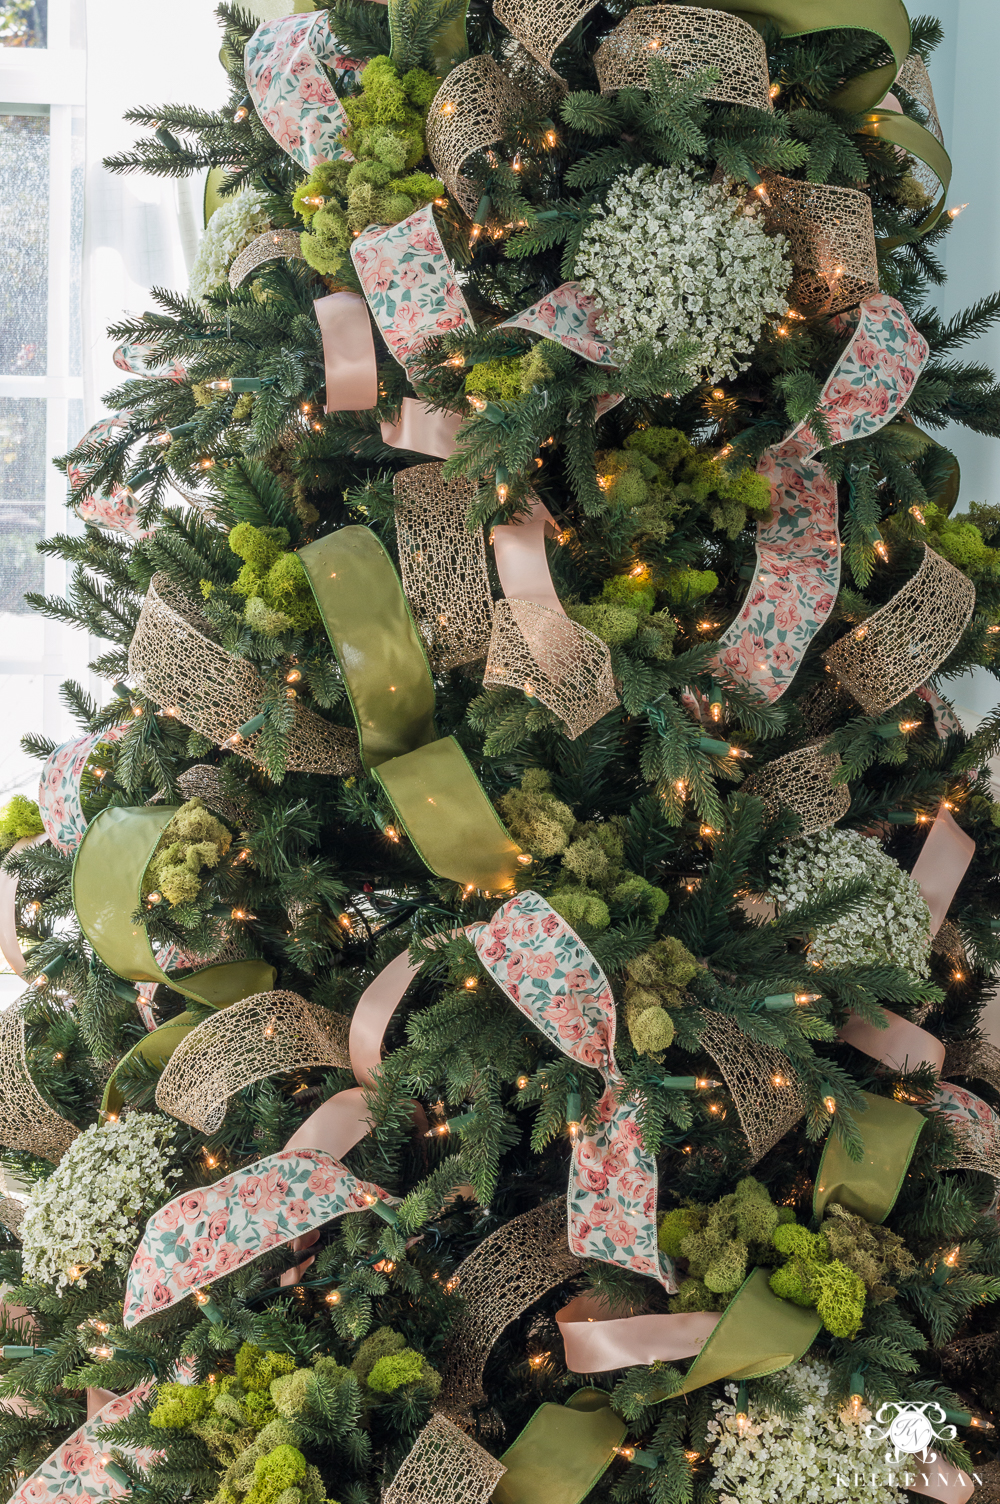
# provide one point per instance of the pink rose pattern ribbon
(570, 317)
(116, 512)
(409, 283)
(552, 978)
(797, 571)
(285, 66)
(202, 1235)
(59, 790)
(74, 1473)
(137, 359)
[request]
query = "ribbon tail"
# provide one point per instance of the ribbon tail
(942, 864)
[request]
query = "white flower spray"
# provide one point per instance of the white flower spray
(895, 924)
(86, 1214)
(229, 231)
(823, 1457)
(668, 256)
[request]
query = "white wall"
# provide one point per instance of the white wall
(964, 74)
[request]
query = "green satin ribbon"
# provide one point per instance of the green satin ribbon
(437, 796)
(916, 141)
(869, 1186)
(562, 1451)
(798, 18)
(758, 1332)
(108, 870)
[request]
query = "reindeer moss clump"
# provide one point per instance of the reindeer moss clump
(655, 980)
(273, 583)
(386, 141)
(192, 841)
(19, 818)
(384, 1364)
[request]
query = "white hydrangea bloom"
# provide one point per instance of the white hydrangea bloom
(669, 256)
(895, 924)
(85, 1214)
(230, 229)
(823, 1457)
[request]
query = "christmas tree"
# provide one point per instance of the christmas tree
(527, 765)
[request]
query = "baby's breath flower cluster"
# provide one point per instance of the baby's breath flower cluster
(822, 1457)
(229, 231)
(894, 925)
(86, 1214)
(669, 256)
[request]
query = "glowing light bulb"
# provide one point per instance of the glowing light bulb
(537, 1359)
(502, 492)
(717, 394)
(206, 464)
(905, 726)
(392, 832)
(918, 514)
(471, 983)
(628, 1453)
(240, 115)
(774, 91)
(805, 998)
(956, 211)
(525, 859)
(882, 550)
(551, 140)
(455, 360)
(478, 404)
(779, 1081)
(449, 107)
(830, 1103)
(522, 1082)
(333, 1298)
(739, 752)
(220, 384)
(707, 830)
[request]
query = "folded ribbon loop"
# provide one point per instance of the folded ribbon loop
(59, 788)
(202, 1235)
(409, 283)
(552, 978)
(285, 65)
(797, 572)
(76, 1468)
(570, 317)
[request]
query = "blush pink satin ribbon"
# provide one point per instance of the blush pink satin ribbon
(352, 380)
(9, 945)
(947, 1484)
(598, 1339)
(348, 352)
(942, 864)
(519, 549)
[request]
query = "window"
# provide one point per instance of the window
(41, 391)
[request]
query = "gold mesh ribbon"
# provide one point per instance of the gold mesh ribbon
(445, 1467)
(204, 782)
(541, 25)
(761, 1082)
(948, 943)
(262, 1036)
(977, 1058)
(831, 239)
(686, 40)
(174, 659)
(507, 1273)
(27, 1122)
(891, 654)
(914, 78)
(443, 565)
(472, 110)
(553, 659)
(800, 781)
(273, 245)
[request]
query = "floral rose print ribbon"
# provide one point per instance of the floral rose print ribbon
(570, 317)
(138, 360)
(116, 511)
(945, 720)
(59, 789)
(74, 1473)
(409, 283)
(797, 572)
(552, 978)
(285, 65)
(202, 1235)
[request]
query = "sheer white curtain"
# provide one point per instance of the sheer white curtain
(140, 231)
